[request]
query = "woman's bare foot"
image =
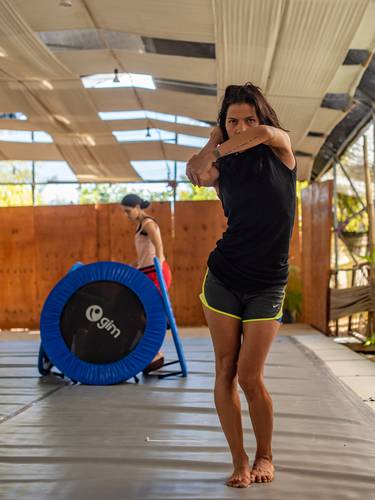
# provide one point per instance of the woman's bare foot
(240, 477)
(263, 470)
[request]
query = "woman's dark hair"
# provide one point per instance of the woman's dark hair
(248, 94)
(131, 200)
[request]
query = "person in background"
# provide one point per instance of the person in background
(148, 244)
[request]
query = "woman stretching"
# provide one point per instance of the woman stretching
(250, 162)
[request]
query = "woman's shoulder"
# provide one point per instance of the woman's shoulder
(276, 156)
(149, 221)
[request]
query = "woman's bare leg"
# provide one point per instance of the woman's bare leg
(226, 338)
(257, 341)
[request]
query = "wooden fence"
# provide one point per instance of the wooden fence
(316, 253)
(38, 245)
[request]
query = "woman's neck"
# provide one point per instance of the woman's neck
(141, 216)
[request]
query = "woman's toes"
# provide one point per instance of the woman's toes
(238, 482)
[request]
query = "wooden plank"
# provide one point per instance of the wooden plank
(307, 290)
(17, 268)
(316, 242)
(63, 236)
(103, 240)
(121, 236)
(198, 225)
(295, 249)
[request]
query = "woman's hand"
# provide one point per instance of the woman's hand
(198, 167)
(216, 136)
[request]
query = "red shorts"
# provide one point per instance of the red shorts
(150, 272)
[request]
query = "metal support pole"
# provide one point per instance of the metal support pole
(175, 182)
(335, 234)
(33, 174)
(371, 228)
(373, 149)
(174, 185)
(335, 224)
(175, 168)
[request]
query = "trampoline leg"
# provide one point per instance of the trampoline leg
(171, 322)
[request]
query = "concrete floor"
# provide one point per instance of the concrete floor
(63, 441)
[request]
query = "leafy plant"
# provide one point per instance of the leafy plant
(293, 295)
(370, 341)
(18, 191)
(190, 192)
(347, 207)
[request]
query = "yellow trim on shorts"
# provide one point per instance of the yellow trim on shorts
(205, 303)
(278, 315)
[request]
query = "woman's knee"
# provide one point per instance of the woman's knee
(226, 369)
(251, 384)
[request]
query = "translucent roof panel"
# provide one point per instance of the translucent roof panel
(13, 116)
(190, 121)
(154, 134)
(107, 80)
(152, 115)
(15, 135)
(24, 136)
(191, 140)
(151, 134)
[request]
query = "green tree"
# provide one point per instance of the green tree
(15, 188)
(112, 193)
(347, 206)
(190, 192)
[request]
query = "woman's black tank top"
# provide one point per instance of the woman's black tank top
(258, 194)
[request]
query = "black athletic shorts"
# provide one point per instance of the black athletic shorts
(260, 306)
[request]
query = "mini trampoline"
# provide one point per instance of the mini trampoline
(101, 324)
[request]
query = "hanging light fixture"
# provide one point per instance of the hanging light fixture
(116, 78)
(66, 3)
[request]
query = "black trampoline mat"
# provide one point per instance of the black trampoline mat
(102, 322)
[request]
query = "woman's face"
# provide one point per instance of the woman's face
(240, 117)
(132, 212)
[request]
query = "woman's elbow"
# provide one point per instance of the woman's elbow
(267, 133)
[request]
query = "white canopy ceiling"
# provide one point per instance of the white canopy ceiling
(293, 49)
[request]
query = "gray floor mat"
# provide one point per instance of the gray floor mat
(62, 441)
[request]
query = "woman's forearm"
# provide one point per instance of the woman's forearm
(215, 139)
(158, 244)
(245, 140)
(160, 253)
